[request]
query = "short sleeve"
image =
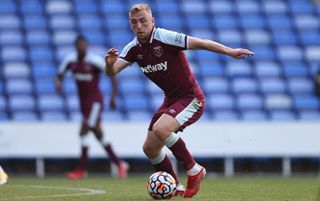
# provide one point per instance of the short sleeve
(127, 54)
(171, 38)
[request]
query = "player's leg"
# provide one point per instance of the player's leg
(122, 166)
(80, 172)
(186, 112)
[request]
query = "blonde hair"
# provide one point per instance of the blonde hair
(140, 7)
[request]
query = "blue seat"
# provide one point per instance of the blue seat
(50, 103)
(249, 102)
(90, 22)
(32, 22)
(220, 102)
(57, 22)
(312, 54)
(7, 7)
(13, 53)
(19, 86)
(215, 85)
(44, 86)
(230, 37)
(156, 101)
(290, 53)
(16, 70)
(253, 116)
(208, 69)
(248, 6)
(300, 7)
(263, 53)
(85, 7)
(41, 54)
(274, 7)
(167, 6)
(43, 69)
(59, 7)
(244, 85)
(135, 103)
(300, 86)
(308, 38)
(238, 69)
(53, 116)
(279, 22)
(193, 6)
(113, 7)
(11, 38)
(198, 21)
(267, 69)
(221, 7)
(116, 22)
(285, 115)
(37, 37)
(225, 116)
(131, 86)
(22, 103)
(120, 38)
(272, 86)
(31, 7)
(24, 116)
(252, 21)
(95, 37)
(278, 102)
(257, 37)
(309, 115)
(63, 49)
(284, 37)
(139, 116)
(306, 102)
(171, 21)
(65, 37)
(9, 22)
(110, 116)
(225, 21)
(295, 69)
(3, 103)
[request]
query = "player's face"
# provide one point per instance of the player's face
(142, 24)
(81, 47)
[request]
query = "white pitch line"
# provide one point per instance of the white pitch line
(87, 192)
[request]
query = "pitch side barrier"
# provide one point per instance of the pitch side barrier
(204, 139)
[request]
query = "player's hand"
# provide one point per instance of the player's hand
(58, 85)
(112, 103)
(111, 57)
(240, 53)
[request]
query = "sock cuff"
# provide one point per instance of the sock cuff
(84, 140)
(171, 140)
(158, 159)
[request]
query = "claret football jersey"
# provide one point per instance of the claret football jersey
(163, 61)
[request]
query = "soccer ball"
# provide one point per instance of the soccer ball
(3, 178)
(161, 185)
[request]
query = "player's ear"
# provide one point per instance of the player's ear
(153, 21)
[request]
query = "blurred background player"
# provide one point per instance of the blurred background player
(86, 68)
(160, 55)
(3, 176)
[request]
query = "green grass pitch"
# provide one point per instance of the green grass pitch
(134, 189)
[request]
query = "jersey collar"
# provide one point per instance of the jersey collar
(150, 40)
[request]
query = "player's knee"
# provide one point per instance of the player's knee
(149, 150)
(160, 132)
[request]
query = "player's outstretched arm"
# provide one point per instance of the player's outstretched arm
(203, 44)
(113, 64)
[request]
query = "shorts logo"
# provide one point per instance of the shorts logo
(157, 51)
(172, 111)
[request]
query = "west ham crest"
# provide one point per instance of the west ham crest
(157, 51)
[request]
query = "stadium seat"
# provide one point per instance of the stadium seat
(136, 103)
(13, 53)
(225, 116)
(253, 116)
(22, 103)
(19, 86)
(249, 102)
(24, 116)
(109, 116)
(248, 6)
(35, 22)
(244, 85)
(300, 86)
(267, 69)
(212, 85)
(9, 22)
(274, 7)
(72, 103)
(217, 102)
(238, 69)
(89, 22)
(16, 70)
(53, 116)
(139, 116)
(306, 102)
(272, 86)
(290, 53)
(7, 7)
(3, 103)
(37, 37)
(44, 86)
(225, 22)
(193, 6)
(221, 7)
(63, 21)
(309, 115)
(58, 7)
(50, 102)
(11, 38)
(278, 102)
(282, 116)
(31, 7)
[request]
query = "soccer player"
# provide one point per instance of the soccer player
(159, 53)
(86, 68)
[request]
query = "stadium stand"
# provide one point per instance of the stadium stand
(275, 84)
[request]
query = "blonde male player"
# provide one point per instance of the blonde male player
(159, 53)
